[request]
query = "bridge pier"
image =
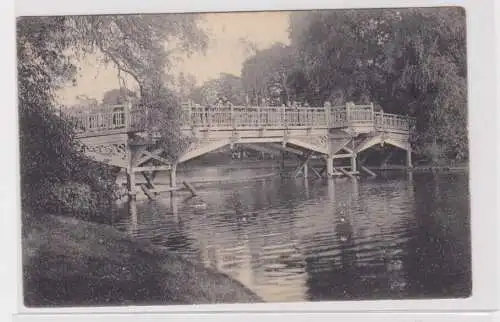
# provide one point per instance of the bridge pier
(353, 162)
(329, 166)
(173, 176)
(408, 157)
(131, 186)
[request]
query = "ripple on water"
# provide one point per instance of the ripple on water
(289, 241)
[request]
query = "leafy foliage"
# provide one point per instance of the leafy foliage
(49, 154)
(52, 164)
(118, 96)
(410, 61)
(139, 45)
(266, 73)
(225, 86)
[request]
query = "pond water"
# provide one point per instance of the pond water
(395, 236)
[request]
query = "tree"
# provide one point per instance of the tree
(186, 84)
(47, 48)
(411, 61)
(118, 96)
(135, 44)
(268, 69)
(226, 86)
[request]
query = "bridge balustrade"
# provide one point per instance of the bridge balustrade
(96, 120)
(361, 114)
(123, 117)
(392, 121)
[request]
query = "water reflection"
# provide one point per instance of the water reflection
(296, 239)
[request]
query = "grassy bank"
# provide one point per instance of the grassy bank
(68, 262)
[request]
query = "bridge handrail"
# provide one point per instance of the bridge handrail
(127, 118)
(106, 118)
(281, 116)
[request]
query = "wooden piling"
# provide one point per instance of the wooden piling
(408, 158)
(303, 164)
(190, 188)
(319, 175)
(329, 166)
(347, 173)
(370, 172)
(173, 177)
(147, 192)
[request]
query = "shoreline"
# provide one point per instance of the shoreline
(70, 262)
(422, 168)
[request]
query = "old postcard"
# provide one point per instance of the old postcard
(244, 157)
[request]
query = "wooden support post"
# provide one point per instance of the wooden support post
(131, 185)
(353, 163)
(148, 193)
(331, 190)
(190, 188)
(132, 203)
(408, 157)
(316, 172)
(329, 166)
(173, 174)
(149, 180)
(347, 173)
(410, 177)
(306, 169)
(301, 166)
(371, 173)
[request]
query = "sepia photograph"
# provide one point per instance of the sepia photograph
(244, 157)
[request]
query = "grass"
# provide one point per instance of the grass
(68, 262)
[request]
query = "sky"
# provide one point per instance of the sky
(225, 54)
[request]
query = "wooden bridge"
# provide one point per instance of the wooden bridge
(326, 133)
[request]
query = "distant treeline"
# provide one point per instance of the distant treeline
(406, 61)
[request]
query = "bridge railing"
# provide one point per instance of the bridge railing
(103, 119)
(98, 120)
(392, 121)
(277, 117)
(253, 116)
(360, 113)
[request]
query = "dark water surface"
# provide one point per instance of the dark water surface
(395, 236)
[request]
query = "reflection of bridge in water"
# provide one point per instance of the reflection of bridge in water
(322, 133)
(281, 251)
